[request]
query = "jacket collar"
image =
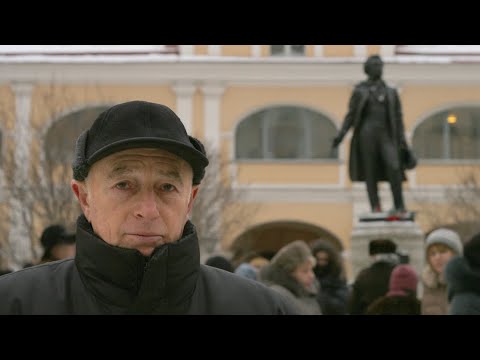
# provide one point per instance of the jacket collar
(124, 281)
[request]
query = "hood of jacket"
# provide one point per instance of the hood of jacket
(274, 274)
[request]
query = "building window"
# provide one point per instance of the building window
(449, 135)
(285, 132)
(287, 50)
(62, 135)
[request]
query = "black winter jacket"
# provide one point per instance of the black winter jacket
(105, 279)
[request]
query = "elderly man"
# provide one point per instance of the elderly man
(136, 175)
(375, 114)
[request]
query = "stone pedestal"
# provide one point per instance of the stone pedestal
(406, 234)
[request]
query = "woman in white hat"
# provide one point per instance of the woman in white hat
(441, 245)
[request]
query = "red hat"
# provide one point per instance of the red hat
(403, 280)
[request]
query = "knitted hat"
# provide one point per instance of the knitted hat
(471, 251)
(446, 237)
(292, 255)
(381, 246)
(403, 277)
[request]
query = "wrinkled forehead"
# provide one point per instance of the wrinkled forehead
(141, 157)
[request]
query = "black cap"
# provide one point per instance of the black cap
(136, 124)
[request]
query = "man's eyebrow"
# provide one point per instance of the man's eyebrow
(119, 170)
(171, 174)
(124, 169)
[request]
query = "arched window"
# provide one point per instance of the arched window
(62, 136)
(450, 134)
(285, 132)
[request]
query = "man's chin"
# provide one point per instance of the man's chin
(147, 252)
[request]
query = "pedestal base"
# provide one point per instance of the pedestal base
(406, 234)
(388, 216)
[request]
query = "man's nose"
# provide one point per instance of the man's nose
(147, 207)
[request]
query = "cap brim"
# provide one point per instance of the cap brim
(194, 157)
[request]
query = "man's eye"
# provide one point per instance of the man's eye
(122, 185)
(168, 187)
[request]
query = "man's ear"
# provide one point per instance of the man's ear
(80, 190)
(193, 195)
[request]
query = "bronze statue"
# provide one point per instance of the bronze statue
(378, 137)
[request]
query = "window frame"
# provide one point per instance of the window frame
(445, 148)
(266, 126)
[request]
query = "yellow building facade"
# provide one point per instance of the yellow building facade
(217, 89)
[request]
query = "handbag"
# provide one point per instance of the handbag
(409, 160)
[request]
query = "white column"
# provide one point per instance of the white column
(18, 236)
(360, 50)
(318, 50)
(212, 99)
(387, 50)
(185, 92)
(214, 50)
(256, 50)
(186, 50)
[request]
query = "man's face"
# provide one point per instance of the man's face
(138, 198)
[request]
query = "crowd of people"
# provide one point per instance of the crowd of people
(311, 275)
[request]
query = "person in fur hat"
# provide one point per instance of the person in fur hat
(462, 275)
(372, 282)
(401, 298)
(441, 245)
(290, 273)
(329, 273)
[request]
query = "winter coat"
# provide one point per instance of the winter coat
(105, 279)
(333, 296)
(285, 284)
(463, 287)
(395, 305)
(434, 299)
(354, 118)
(370, 284)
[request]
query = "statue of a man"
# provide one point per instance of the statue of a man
(378, 137)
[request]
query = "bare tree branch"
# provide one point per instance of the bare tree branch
(44, 197)
(463, 202)
(218, 209)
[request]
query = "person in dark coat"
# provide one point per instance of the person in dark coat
(136, 175)
(401, 298)
(375, 113)
(329, 273)
(373, 281)
(463, 280)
